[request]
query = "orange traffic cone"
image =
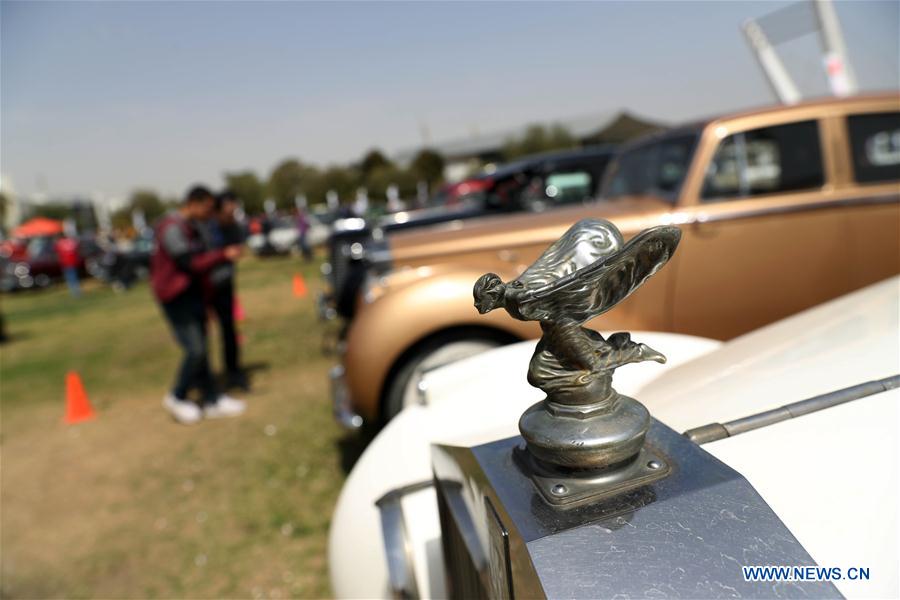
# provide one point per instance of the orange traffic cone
(299, 286)
(78, 407)
(238, 310)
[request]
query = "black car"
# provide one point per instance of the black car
(535, 183)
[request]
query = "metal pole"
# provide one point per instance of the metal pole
(774, 70)
(837, 64)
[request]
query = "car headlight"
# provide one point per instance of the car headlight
(21, 269)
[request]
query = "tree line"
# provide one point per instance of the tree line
(293, 177)
(374, 172)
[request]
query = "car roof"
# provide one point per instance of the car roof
(697, 125)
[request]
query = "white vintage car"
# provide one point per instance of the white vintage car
(283, 237)
(830, 476)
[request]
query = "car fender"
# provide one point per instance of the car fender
(388, 328)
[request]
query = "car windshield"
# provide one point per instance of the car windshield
(657, 167)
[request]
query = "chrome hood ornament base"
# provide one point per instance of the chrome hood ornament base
(583, 424)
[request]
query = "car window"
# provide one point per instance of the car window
(875, 144)
(553, 189)
(765, 161)
(568, 187)
(658, 168)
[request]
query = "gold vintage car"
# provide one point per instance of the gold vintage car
(780, 208)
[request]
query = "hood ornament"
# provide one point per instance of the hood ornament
(583, 423)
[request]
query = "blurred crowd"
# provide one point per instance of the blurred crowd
(43, 251)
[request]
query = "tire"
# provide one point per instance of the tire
(432, 353)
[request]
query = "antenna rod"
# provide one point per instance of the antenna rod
(717, 431)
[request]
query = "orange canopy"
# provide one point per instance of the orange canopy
(37, 227)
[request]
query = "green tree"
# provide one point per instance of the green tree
(145, 200)
(148, 202)
(538, 138)
(428, 165)
(374, 159)
(248, 188)
(290, 179)
(380, 178)
(4, 207)
(343, 180)
(51, 210)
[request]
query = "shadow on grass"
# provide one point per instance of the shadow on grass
(249, 370)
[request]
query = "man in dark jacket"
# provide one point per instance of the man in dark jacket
(179, 271)
(223, 231)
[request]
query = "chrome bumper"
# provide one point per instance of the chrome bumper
(340, 400)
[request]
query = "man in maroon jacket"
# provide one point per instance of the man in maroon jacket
(178, 276)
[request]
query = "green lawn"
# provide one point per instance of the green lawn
(133, 505)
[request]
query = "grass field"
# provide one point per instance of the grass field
(132, 505)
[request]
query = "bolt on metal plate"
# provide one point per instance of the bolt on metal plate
(575, 488)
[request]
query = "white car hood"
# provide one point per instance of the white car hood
(831, 476)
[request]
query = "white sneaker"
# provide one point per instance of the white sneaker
(224, 406)
(183, 411)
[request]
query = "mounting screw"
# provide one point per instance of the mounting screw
(559, 489)
(654, 464)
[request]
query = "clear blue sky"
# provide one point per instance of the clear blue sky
(109, 96)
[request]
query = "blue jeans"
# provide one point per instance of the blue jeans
(71, 276)
(187, 316)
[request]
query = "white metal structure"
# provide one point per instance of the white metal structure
(798, 19)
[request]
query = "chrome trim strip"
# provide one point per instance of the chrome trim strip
(701, 217)
(340, 400)
(401, 575)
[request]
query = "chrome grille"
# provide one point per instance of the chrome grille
(463, 578)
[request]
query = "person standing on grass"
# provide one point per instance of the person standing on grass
(223, 231)
(179, 276)
(67, 250)
(303, 233)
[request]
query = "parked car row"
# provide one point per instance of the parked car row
(780, 209)
(776, 303)
(533, 184)
(32, 263)
(280, 235)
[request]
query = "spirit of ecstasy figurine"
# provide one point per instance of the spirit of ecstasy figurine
(583, 423)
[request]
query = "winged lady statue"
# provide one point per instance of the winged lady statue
(583, 422)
